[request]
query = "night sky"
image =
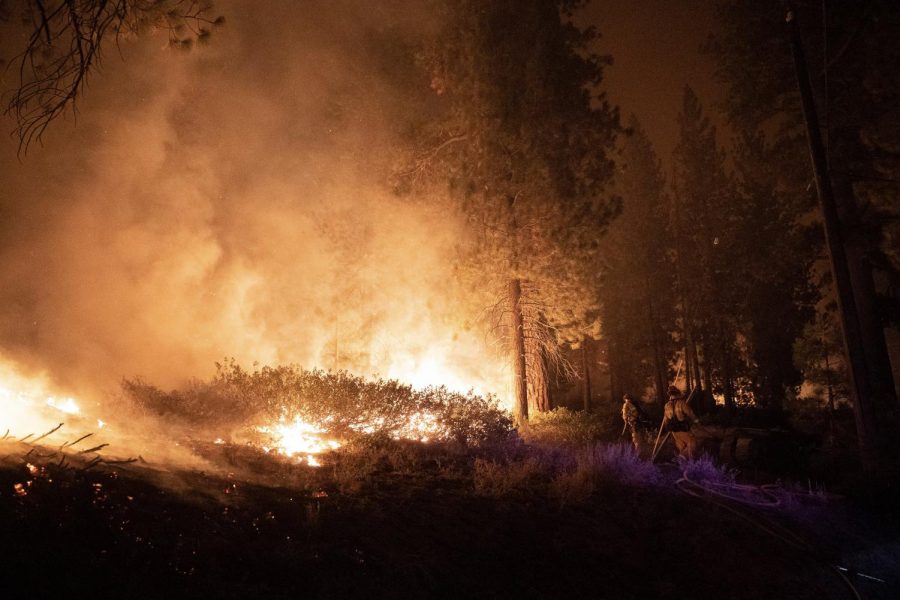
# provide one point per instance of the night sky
(656, 51)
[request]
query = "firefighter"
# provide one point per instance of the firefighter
(679, 416)
(634, 420)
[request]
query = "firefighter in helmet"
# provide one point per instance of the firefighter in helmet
(633, 419)
(679, 417)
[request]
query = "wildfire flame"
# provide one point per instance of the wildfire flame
(299, 437)
(26, 404)
(66, 405)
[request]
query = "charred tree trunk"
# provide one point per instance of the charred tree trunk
(520, 374)
(586, 378)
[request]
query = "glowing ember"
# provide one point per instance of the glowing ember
(299, 437)
(100, 423)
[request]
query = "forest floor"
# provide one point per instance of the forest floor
(409, 520)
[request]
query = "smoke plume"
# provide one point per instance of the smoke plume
(231, 201)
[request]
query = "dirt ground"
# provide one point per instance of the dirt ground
(410, 528)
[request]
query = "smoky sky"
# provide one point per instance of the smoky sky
(230, 201)
(656, 49)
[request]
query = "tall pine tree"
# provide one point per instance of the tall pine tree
(523, 149)
(637, 289)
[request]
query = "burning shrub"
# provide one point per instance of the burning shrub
(337, 404)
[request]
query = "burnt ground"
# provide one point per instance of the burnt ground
(405, 524)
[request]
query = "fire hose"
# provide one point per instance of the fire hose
(713, 491)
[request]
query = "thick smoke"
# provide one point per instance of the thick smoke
(231, 201)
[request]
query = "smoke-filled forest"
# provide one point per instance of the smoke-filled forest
(450, 298)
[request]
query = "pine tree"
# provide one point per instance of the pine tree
(852, 54)
(523, 149)
(769, 281)
(638, 282)
(702, 222)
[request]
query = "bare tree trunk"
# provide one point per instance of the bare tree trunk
(727, 375)
(705, 369)
(692, 362)
(520, 375)
(830, 389)
(695, 365)
(661, 375)
(658, 366)
(727, 378)
(873, 427)
(586, 379)
(538, 380)
(615, 384)
(688, 367)
(689, 359)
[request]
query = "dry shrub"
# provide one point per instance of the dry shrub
(705, 470)
(620, 462)
(577, 485)
(563, 427)
(497, 479)
(603, 462)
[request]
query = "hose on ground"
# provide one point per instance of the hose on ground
(712, 491)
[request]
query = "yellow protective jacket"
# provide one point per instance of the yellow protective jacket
(679, 415)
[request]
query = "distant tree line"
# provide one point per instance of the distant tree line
(716, 277)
